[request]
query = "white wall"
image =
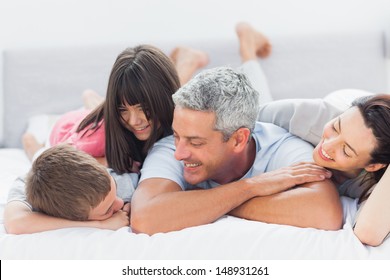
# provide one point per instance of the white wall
(36, 23)
(74, 22)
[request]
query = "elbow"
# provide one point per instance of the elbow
(368, 235)
(141, 223)
(334, 221)
(330, 219)
(330, 211)
(13, 227)
(329, 215)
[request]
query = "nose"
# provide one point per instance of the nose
(182, 151)
(330, 144)
(118, 204)
(134, 118)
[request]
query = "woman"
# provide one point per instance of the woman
(354, 144)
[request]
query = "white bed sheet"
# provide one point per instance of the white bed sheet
(227, 238)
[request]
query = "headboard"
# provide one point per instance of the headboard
(50, 81)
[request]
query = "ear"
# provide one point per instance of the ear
(240, 138)
(374, 167)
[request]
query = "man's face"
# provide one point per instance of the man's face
(110, 205)
(200, 147)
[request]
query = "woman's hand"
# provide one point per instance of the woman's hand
(287, 177)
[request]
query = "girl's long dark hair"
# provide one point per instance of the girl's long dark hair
(142, 75)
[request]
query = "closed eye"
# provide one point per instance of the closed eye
(197, 144)
(122, 109)
(345, 152)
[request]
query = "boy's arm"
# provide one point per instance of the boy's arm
(20, 219)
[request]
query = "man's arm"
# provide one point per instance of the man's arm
(20, 219)
(315, 205)
(160, 205)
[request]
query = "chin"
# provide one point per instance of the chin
(317, 160)
(193, 180)
(143, 137)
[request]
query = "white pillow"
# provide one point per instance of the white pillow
(343, 98)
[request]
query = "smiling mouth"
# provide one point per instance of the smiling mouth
(191, 165)
(141, 128)
(325, 154)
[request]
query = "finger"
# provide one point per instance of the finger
(306, 165)
(312, 170)
(302, 179)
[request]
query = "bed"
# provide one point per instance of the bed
(39, 83)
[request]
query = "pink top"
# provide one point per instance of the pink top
(64, 131)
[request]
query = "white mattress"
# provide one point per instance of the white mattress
(228, 238)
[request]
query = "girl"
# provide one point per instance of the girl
(137, 112)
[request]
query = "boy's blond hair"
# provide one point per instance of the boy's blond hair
(66, 183)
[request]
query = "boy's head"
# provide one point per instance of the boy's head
(67, 183)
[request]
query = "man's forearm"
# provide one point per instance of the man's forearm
(175, 210)
(159, 205)
(315, 205)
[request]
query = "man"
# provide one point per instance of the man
(220, 161)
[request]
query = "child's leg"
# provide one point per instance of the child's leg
(187, 62)
(31, 145)
(254, 44)
(256, 76)
(91, 99)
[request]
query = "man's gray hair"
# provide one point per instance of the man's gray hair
(227, 93)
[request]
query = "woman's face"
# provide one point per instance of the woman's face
(346, 143)
(134, 119)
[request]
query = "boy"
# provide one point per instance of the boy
(68, 188)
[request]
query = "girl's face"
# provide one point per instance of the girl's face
(134, 119)
(346, 143)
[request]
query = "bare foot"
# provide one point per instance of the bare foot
(253, 44)
(30, 145)
(188, 61)
(91, 99)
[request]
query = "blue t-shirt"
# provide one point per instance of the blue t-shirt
(275, 148)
